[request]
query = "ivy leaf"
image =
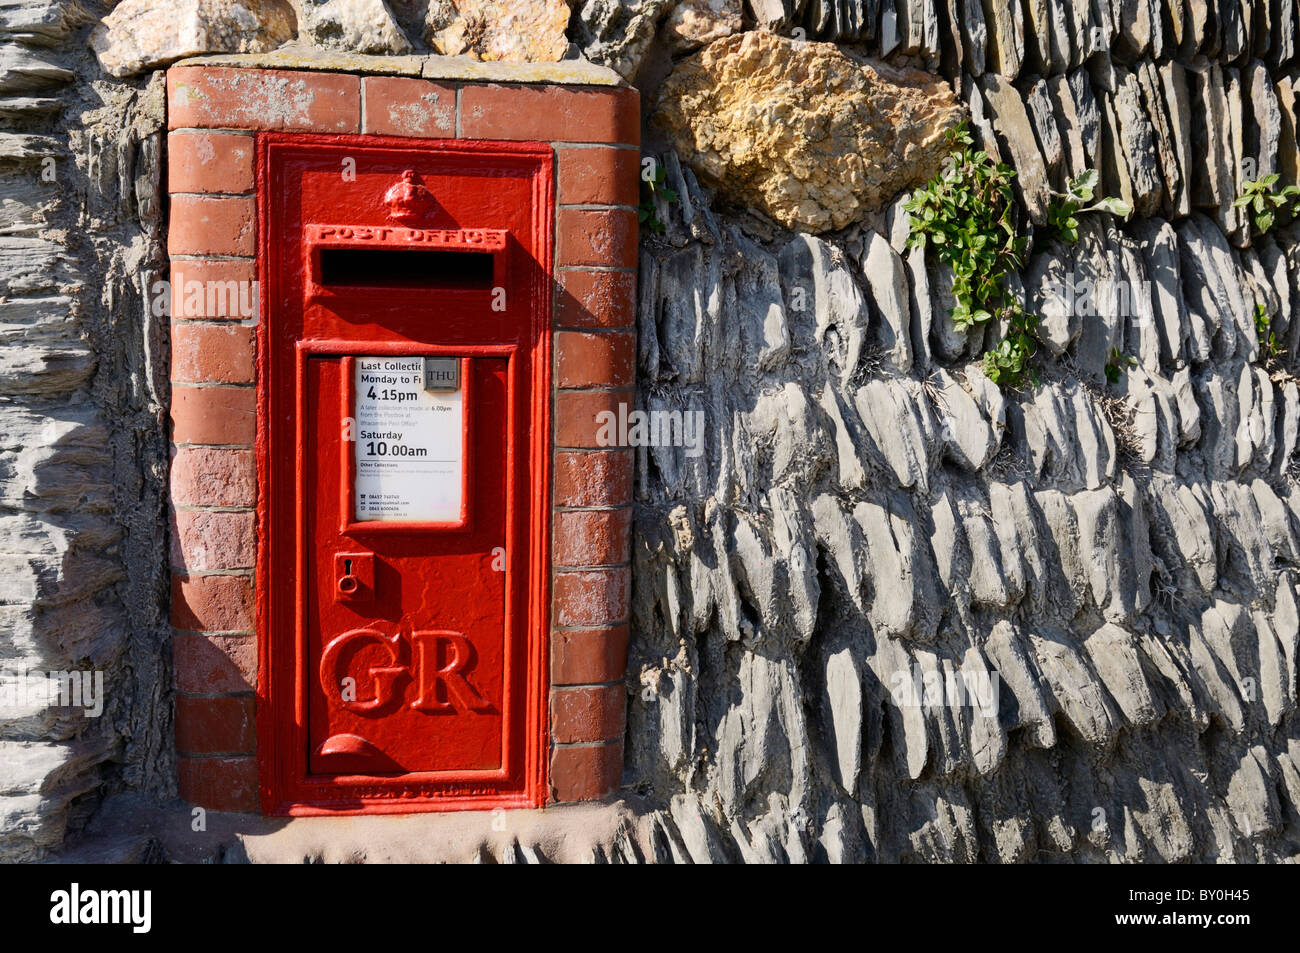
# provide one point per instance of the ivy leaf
(1085, 180)
(1115, 206)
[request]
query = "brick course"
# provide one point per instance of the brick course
(210, 664)
(209, 353)
(588, 656)
(592, 597)
(212, 225)
(399, 106)
(209, 162)
(588, 713)
(219, 416)
(595, 175)
(593, 477)
(595, 360)
(203, 476)
(274, 100)
(595, 299)
(224, 724)
(219, 784)
(601, 236)
(215, 603)
(591, 537)
(585, 772)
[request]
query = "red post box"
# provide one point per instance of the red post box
(400, 548)
(406, 365)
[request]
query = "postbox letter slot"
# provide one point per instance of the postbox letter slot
(405, 268)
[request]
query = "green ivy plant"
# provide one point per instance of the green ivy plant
(1268, 346)
(1007, 362)
(1117, 363)
(966, 215)
(1065, 207)
(1266, 203)
(653, 185)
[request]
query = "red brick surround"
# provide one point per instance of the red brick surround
(594, 132)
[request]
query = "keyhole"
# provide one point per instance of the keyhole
(348, 583)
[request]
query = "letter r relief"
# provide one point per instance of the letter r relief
(436, 681)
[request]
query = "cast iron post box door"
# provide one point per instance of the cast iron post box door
(403, 457)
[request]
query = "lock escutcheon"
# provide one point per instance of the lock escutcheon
(355, 577)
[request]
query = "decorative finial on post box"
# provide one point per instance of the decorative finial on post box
(409, 201)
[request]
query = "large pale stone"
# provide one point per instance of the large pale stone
(812, 137)
(517, 31)
(357, 26)
(694, 23)
(142, 34)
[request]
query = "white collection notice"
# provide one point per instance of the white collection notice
(409, 446)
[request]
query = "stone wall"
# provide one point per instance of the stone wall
(1122, 557)
(83, 391)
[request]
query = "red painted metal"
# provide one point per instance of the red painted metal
(439, 626)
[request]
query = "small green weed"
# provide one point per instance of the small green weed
(652, 184)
